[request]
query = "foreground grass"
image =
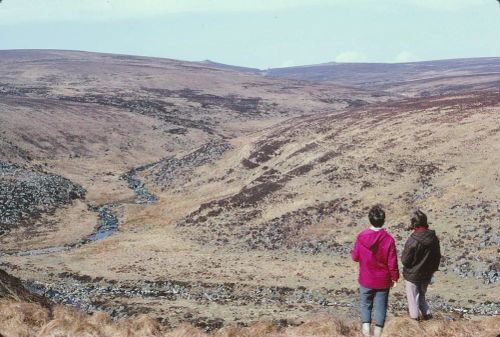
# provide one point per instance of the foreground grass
(19, 319)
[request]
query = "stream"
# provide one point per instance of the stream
(108, 220)
(108, 225)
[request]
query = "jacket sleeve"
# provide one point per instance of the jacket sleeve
(355, 251)
(408, 255)
(437, 258)
(393, 262)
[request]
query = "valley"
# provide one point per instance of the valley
(202, 193)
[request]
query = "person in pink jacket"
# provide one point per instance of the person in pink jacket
(375, 251)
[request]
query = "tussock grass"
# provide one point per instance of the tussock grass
(19, 319)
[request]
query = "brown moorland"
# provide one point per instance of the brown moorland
(19, 319)
(236, 196)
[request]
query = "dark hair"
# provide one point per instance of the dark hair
(376, 216)
(418, 219)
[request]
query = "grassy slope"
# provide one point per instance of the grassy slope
(436, 153)
(19, 319)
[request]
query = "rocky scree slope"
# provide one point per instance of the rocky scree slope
(25, 194)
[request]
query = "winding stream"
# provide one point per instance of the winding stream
(108, 220)
(108, 225)
(143, 196)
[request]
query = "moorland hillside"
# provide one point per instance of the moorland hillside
(217, 195)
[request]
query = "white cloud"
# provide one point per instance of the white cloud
(350, 56)
(405, 56)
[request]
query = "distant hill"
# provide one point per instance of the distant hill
(254, 71)
(366, 73)
(413, 78)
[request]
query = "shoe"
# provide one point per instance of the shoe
(377, 332)
(427, 317)
(365, 329)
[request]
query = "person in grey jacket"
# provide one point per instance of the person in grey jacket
(421, 257)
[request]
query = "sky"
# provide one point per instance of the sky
(258, 33)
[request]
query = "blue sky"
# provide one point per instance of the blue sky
(258, 33)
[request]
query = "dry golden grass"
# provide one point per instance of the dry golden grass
(94, 144)
(18, 319)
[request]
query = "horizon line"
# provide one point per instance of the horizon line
(243, 66)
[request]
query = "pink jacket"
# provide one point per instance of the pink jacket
(378, 263)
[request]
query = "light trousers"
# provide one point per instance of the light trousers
(415, 293)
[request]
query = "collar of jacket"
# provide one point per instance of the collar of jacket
(376, 229)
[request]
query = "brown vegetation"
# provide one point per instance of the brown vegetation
(19, 319)
(259, 186)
